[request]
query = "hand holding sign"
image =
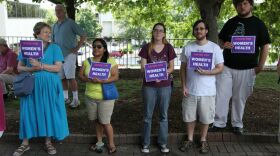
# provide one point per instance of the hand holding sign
(99, 70)
(243, 44)
(203, 72)
(202, 60)
(156, 71)
(31, 49)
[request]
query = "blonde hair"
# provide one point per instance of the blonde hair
(151, 44)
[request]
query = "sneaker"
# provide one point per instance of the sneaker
(164, 149)
(145, 149)
(204, 148)
(67, 101)
(215, 129)
(238, 130)
(98, 148)
(74, 104)
(186, 145)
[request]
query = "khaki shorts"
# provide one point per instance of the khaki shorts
(202, 107)
(100, 109)
(68, 69)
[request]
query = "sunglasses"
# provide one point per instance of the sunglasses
(97, 46)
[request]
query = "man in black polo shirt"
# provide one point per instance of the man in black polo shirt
(245, 41)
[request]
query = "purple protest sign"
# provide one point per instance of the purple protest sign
(31, 49)
(156, 71)
(99, 70)
(201, 60)
(243, 44)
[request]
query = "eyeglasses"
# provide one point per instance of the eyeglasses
(97, 46)
(196, 29)
(158, 30)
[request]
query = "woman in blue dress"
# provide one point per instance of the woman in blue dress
(42, 113)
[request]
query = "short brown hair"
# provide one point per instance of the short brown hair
(236, 2)
(38, 27)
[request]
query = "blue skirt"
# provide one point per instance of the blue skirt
(43, 113)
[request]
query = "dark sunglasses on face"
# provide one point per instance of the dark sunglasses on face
(97, 46)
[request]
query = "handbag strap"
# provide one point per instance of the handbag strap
(89, 60)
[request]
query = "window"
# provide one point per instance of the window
(22, 10)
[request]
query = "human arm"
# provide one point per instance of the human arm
(170, 69)
(143, 63)
(225, 44)
(23, 68)
(114, 76)
(8, 70)
(183, 75)
(263, 55)
(51, 68)
(218, 69)
(79, 45)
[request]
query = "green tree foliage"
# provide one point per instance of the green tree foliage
(269, 13)
(50, 17)
(87, 20)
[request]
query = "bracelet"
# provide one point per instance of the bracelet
(42, 67)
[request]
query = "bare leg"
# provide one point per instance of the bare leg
(73, 85)
(110, 134)
(65, 84)
(204, 130)
(190, 130)
(99, 131)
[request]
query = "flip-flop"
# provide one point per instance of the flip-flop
(112, 150)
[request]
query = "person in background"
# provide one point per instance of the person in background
(8, 66)
(100, 110)
(157, 91)
(64, 33)
(2, 114)
(43, 113)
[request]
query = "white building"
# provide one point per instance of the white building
(19, 18)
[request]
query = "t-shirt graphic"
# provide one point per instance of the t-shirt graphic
(240, 30)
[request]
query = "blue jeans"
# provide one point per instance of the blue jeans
(151, 96)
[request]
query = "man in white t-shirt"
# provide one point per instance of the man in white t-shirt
(201, 61)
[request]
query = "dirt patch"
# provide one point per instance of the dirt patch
(261, 115)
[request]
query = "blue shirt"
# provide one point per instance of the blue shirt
(65, 35)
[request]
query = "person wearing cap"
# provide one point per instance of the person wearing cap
(242, 64)
(8, 65)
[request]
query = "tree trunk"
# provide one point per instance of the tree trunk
(209, 12)
(70, 8)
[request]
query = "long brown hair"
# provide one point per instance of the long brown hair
(164, 41)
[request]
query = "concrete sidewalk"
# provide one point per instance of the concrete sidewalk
(221, 144)
(216, 149)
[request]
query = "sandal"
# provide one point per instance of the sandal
(50, 149)
(112, 150)
(21, 149)
(96, 148)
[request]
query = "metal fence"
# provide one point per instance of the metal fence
(125, 51)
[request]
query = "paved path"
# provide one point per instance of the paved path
(216, 149)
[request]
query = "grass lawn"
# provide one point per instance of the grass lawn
(127, 88)
(260, 116)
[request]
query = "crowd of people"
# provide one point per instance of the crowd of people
(206, 91)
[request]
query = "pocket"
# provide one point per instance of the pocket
(251, 77)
